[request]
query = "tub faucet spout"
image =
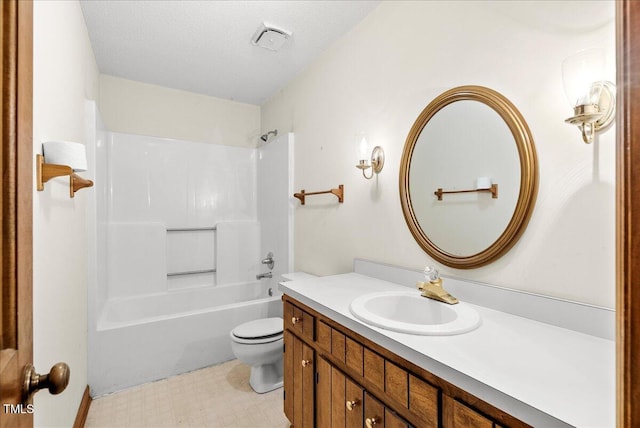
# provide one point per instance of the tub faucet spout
(264, 275)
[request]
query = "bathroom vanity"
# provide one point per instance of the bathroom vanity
(359, 350)
(511, 371)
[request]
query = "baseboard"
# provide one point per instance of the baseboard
(83, 410)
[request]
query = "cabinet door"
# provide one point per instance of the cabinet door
(373, 412)
(299, 378)
(288, 374)
(376, 415)
(339, 400)
(391, 420)
(323, 393)
(307, 378)
(354, 400)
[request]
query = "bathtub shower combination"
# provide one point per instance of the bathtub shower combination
(181, 229)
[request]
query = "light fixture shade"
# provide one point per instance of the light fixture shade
(583, 76)
(66, 153)
(362, 146)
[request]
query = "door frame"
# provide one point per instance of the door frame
(628, 213)
(17, 201)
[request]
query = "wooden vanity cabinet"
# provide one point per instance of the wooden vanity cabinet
(335, 378)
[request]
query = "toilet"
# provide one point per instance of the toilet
(259, 343)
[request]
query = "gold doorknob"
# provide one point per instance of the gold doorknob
(295, 320)
(55, 381)
(352, 404)
(305, 363)
(371, 422)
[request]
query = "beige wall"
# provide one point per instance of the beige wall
(140, 108)
(65, 75)
(377, 78)
(380, 76)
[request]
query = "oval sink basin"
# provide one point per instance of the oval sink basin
(409, 312)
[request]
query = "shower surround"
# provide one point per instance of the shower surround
(180, 229)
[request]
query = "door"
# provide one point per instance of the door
(18, 380)
(16, 210)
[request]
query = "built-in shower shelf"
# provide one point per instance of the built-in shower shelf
(182, 268)
(191, 272)
(189, 229)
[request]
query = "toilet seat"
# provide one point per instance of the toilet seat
(263, 330)
(257, 341)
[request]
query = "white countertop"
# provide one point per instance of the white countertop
(542, 374)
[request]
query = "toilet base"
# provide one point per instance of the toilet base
(266, 377)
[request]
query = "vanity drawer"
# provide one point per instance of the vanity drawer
(423, 401)
(354, 357)
(323, 336)
(338, 345)
(341, 346)
(374, 368)
(457, 415)
(396, 383)
(298, 321)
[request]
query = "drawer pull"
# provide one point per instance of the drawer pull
(371, 422)
(295, 320)
(306, 363)
(352, 404)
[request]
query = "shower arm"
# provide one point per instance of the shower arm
(265, 137)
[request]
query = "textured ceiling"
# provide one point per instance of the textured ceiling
(205, 46)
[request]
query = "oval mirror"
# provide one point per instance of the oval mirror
(468, 177)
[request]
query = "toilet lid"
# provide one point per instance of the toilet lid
(256, 329)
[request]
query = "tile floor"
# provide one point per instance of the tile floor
(216, 397)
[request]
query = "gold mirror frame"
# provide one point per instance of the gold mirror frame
(528, 176)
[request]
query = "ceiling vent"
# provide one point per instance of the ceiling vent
(269, 37)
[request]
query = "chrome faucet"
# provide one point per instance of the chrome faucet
(264, 275)
(269, 260)
(433, 288)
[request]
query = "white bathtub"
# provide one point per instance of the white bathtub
(142, 339)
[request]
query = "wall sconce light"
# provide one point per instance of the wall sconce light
(592, 98)
(64, 158)
(376, 159)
